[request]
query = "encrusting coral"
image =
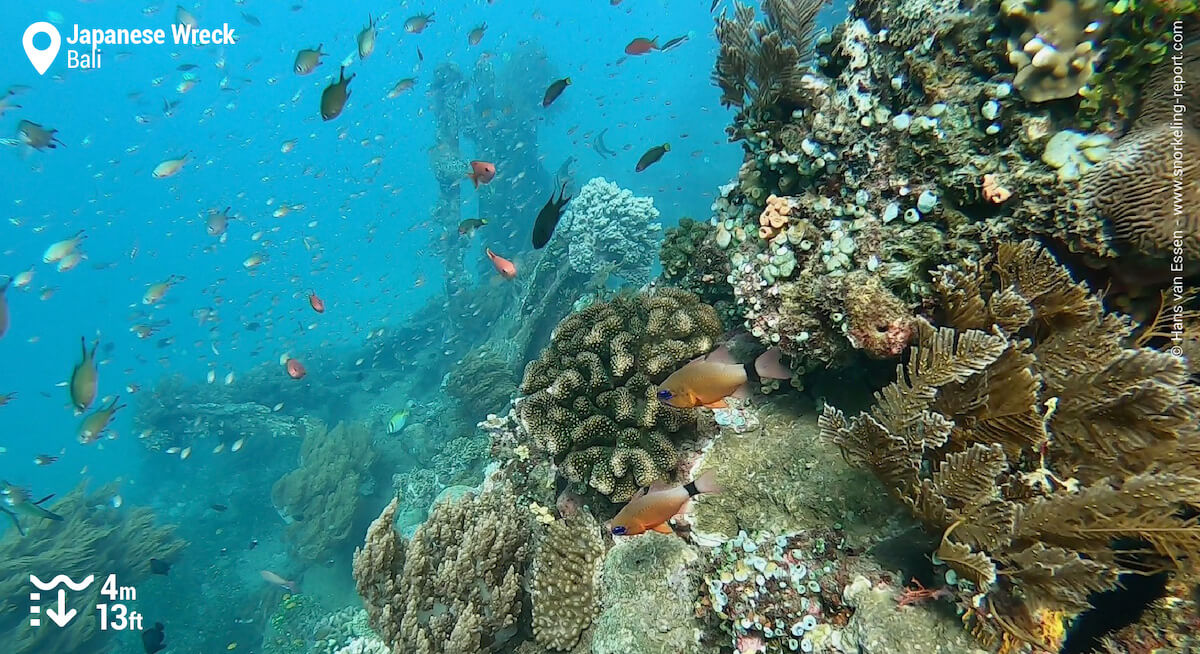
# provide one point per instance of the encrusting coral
(1030, 437)
(93, 538)
(565, 586)
(606, 226)
(456, 586)
(318, 499)
(1056, 52)
(591, 395)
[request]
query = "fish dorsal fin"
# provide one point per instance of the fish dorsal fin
(721, 355)
(641, 492)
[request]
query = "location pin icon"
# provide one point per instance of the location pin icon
(41, 59)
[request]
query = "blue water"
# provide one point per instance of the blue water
(362, 241)
(141, 230)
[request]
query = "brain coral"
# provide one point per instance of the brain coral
(1133, 188)
(591, 401)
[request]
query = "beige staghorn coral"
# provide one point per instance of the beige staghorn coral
(456, 586)
(1134, 187)
(566, 573)
(318, 499)
(1056, 52)
(590, 395)
(92, 538)
(1030, 437)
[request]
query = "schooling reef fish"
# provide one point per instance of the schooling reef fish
(85, 378)
(307, 60)
(169, 167)
(641, 46)
(36, 136)
(366, 39)
(334, 97)
(652, 156)
(503, 266)
(555, 90)
(476, 35)
(295, 369)
(465, 228)
(94, 426)
(402, 86)
(650, 510)
(315, 302)
(548, 218)
(417, 24)
(4, 307)
(482, 172)
(17, 503)
(397, 423)
(218, 222)
(153, 639)
(709, 380)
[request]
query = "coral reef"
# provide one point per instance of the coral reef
(776, 593)
(364, 646)
(606, 226)
(456, 586)
(693, 260)
(649, 588)
(759, 65)
(1131, 187)
(1055, 52)
(481, 383)
(565, 578)
(1031, 438)
(590, 396)
(877, 627)
(318, 499)
(92, 539)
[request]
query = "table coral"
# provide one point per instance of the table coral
(92, 538)
(608, 226)
(1030, 437)
(591, 395)
(565, 585)
(456, 586)
(318, 499)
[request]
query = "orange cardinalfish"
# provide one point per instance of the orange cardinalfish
(482, 172)
(295, 369)
(709, 380)
(317, 303)
(650, 510)
(503, 266)
(641, 46)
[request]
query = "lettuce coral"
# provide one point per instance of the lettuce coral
(319, 498)
(456, 586)
(1030, 436)
(590, 396)
(92, 539)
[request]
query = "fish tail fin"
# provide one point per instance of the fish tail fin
(44, 499)
(49, 515)
(16, 523)
(83, 345)
(769, 365)
(705, 483)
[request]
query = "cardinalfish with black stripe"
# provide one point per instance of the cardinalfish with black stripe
(710, 380)
(652, 510)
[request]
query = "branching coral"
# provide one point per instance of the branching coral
(606, 226)
(92, 539)
(318, 499)
(1056, 52)
(761, 63)
(456, 586)
(591, 401)
(565, 588)
(1031, 438)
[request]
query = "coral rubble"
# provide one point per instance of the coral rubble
(590, 397)
(1030, 437)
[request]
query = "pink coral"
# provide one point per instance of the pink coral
(878, 323)
(751, 643)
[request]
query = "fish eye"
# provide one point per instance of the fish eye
(664, 394)
(618, 531)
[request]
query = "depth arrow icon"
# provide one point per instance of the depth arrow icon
(62, 616)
